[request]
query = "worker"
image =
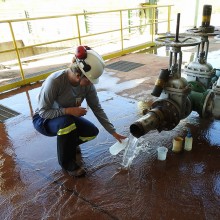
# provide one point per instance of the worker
(59, 111)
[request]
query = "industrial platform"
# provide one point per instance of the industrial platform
(186, 186)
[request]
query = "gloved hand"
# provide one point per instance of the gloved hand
(118, 136)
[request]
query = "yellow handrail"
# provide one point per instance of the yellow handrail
(122, 29)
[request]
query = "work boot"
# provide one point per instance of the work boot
(78, 172)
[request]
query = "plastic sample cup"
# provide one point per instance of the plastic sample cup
(162, 153)
(177, 144)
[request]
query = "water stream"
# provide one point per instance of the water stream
(133, 148)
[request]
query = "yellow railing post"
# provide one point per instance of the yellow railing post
(16, 50)
(152, 23)
(78, 29)
(121, 29)
(169, 15)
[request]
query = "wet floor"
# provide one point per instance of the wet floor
(184, 186)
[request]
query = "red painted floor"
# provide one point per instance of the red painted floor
(184, 186)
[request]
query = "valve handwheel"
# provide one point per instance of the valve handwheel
(203, 31)
(181, 42)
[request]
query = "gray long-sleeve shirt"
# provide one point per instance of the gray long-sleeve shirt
(57, 93)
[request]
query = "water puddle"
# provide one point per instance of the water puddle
(108, 82)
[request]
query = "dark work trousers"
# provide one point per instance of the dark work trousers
(70, 131)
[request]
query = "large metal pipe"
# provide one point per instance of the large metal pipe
(163, 115)
(148, 122)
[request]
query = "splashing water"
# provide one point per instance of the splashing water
(133, 148)
(129, 153)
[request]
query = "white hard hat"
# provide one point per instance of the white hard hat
(92, 66)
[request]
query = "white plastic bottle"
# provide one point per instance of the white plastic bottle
(188, 141)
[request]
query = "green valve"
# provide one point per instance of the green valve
(197, 86)
(198, 100)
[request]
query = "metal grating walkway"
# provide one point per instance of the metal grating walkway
(124, 66)
(6, 113)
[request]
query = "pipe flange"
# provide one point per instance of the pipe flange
(208, 105)
(158, 114)
(216, 87)
(171, 114)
